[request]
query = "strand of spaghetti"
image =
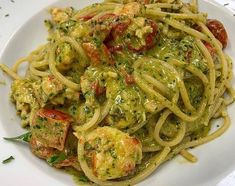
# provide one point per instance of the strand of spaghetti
(231, 93)
(218, 66)
(164, 5)
(229, 88)
(153, 165)
(203, 140)
(18, 63)
(36, 72)
(220, 54)
(160, 86)
(149, 139)
(194, 5)
(157, 13)
(230, 67)
(219, 111)
(150, 127)
(2, 82)
(188, 156)
(174, 34)
(144, 86)
(182, 88)
(176, 97)
(165, 29)
(151, 149)
(38, 54)
(216, 107)
(10, 72)
(57, 74)
(184, 28)
(39, 49)
(90, 123)
(39, 64)
(97, 16)
(94, 9)
(136, 127)
(179, 2)
(105, 110)
(211, 66)
(195, 71)
(168, 1)
(158, 127)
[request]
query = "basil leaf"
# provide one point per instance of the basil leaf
(8, 160)
(24, 137)
(55, 159)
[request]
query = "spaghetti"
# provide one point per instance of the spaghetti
(123, 86)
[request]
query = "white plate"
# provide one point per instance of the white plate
(216, 159)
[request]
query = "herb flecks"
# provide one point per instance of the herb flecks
(226, 4)
(8, 160)
(55, 159)
(83, 179)
(7, 15)
(24, 137)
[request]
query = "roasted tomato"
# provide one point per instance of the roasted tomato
(107, 17)
(113, 153)
(40, 150)
(218, 30)
(138, 35)
(210, 48)
(50, 128)
(97, 88)
(98, 54)
(52, 155)
(86, 17)
(129, 79)
(119, 28)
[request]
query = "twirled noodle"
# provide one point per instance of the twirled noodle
(134, 83)
(158, 127)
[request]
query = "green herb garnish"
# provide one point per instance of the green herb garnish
(8, 160)
(83, 178)
(24, 137)
(55, 159)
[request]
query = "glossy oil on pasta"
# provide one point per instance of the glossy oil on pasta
(122, 87)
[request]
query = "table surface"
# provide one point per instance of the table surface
(13, 14)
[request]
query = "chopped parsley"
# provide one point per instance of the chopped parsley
(55, 159)
(8, 160)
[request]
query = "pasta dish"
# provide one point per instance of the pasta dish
(123, 86)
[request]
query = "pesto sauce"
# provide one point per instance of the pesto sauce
(78, 177)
